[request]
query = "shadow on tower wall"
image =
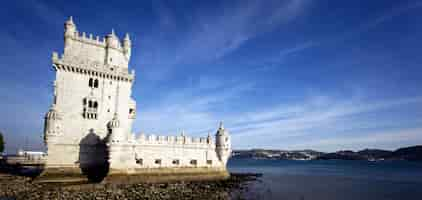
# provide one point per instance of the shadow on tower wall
(93, 157)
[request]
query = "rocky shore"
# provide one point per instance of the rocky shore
(20, 187)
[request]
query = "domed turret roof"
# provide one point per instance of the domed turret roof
(70, 21)
(53, 113)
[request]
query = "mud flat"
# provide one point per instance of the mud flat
(21, 187)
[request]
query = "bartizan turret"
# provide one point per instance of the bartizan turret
(118, 147)
(69, 31)
(127, 46)
(115, 131)
(52, 128)
(223, 144)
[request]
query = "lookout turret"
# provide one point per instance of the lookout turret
(115, 132)
(69, 31)
(112, 40)
(52, 127)
(223, 147)
(127, 43)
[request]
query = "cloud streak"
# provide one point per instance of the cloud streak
(214, 34)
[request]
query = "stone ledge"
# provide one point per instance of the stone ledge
(146, 175)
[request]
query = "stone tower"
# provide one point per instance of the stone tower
(92, 77)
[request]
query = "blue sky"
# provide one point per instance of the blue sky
(284, 74)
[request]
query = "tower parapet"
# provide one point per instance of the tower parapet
(108, 51)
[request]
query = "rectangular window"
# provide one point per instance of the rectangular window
(193, 162)
(209, 162)
(176, 162)
(158, 161)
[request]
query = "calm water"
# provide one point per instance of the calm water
(334, 179)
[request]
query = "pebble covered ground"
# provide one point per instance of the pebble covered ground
(20, 187)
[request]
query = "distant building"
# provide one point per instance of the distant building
(31, 154)
(89, 124)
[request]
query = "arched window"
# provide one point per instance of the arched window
(90, 83)
(90, 104)
(96, 83)
(95, 104)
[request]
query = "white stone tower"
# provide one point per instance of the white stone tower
(223, 144)
(92, 77)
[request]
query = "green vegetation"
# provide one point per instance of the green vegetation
(1, 142)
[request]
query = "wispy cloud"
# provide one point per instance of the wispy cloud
(217, 33)
(196, 109)
(302, 118)
(193, 110)
(340, 37)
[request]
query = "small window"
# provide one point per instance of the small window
(95, 104)
(176, 162)
(139, 161)
(209, 162)
(90, 83)
(108, 110)
(96, 83)
(109, 97)
(193, 162)
(131, 110)
(111, 82)
(90, 104)
(158, 161)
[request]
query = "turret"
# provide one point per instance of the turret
(115, 131)
(209, 139)
(120, 153)
(127, 46)
(222, 144)
(112, 40)
(69, 31)
(52, 127)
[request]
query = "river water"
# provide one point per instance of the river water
(332, 179)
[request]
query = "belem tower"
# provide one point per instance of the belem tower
(89, 125)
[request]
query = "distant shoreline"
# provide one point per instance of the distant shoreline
(413, 153)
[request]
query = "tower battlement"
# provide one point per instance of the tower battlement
(107, 50)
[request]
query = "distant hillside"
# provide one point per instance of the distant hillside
(413, 153)
(408, 153)
(374, 154)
